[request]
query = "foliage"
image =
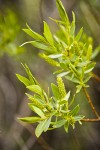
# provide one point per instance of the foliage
(51, 112)
(9, 28)
(72, 53)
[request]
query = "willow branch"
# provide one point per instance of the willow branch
(96, 77)
(90, 120)
(91, 104)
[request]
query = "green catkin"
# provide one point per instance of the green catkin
(36, 103)
(66, 53)
(61, 87)
(89, 52)
(49, 60)
(76, 48)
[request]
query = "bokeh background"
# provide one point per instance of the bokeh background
(15, 135)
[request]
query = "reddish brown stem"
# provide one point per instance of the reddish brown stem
(91, 104)
(90, 120)
(96, 77)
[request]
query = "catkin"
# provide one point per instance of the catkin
(61, 87)
(36, 102)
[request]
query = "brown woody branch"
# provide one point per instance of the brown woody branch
(91, 104)
(90, 120)
(96, 77)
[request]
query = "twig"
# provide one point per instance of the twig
(96, 77)
(91, 104)
(90, 120)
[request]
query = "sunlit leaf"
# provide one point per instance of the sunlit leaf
(40, 128)
(30, 119)
(75, 110)
(24, 80)
(55, 91)
(79, 34)
(62, 11)
(47, 33)
(60, 123)
(37, 110)
(35, 88)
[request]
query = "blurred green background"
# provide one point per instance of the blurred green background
(14, 14)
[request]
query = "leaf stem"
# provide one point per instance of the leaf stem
(91, 120)
(91, 104)
(96, 77)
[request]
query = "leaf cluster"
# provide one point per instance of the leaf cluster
(70, 52)
(50, 111)
(9, 28)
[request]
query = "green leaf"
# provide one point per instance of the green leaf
(30, 119)
(60, 123)
(72, 101)
(47, 33)
(55, 91)
(67, 96)
(55, 56)
(78, 36)
(66, 125)
(62, 12)
(24, 80)
(88, 78)
(75, 80)
(47, 124)
(40, 45)
(63, 74)
(79, 117)
(40, 128)
(89, 67)
(35, 88)
(36, 110)
(89, 52)
(72, 30)
(75, 110)
(74, 70)
(79, 87)
(31, 78)
(33, 34)
(96, 52)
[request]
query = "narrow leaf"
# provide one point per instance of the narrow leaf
(79, 117)
(40, 128)
(33, 34)
(36, 110)
(47, 33)
(24, 80)
(47, 124)
(55, 91)
(67, 96)
(89, 67)
(31, 78)
(66, 125)
(72, 30)
(75, 110)
(78, 36)
(63, 74)
(79, 87)
(35, 88)
(30, 119)
(96, 52)
(60, 123)
(62, 12)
